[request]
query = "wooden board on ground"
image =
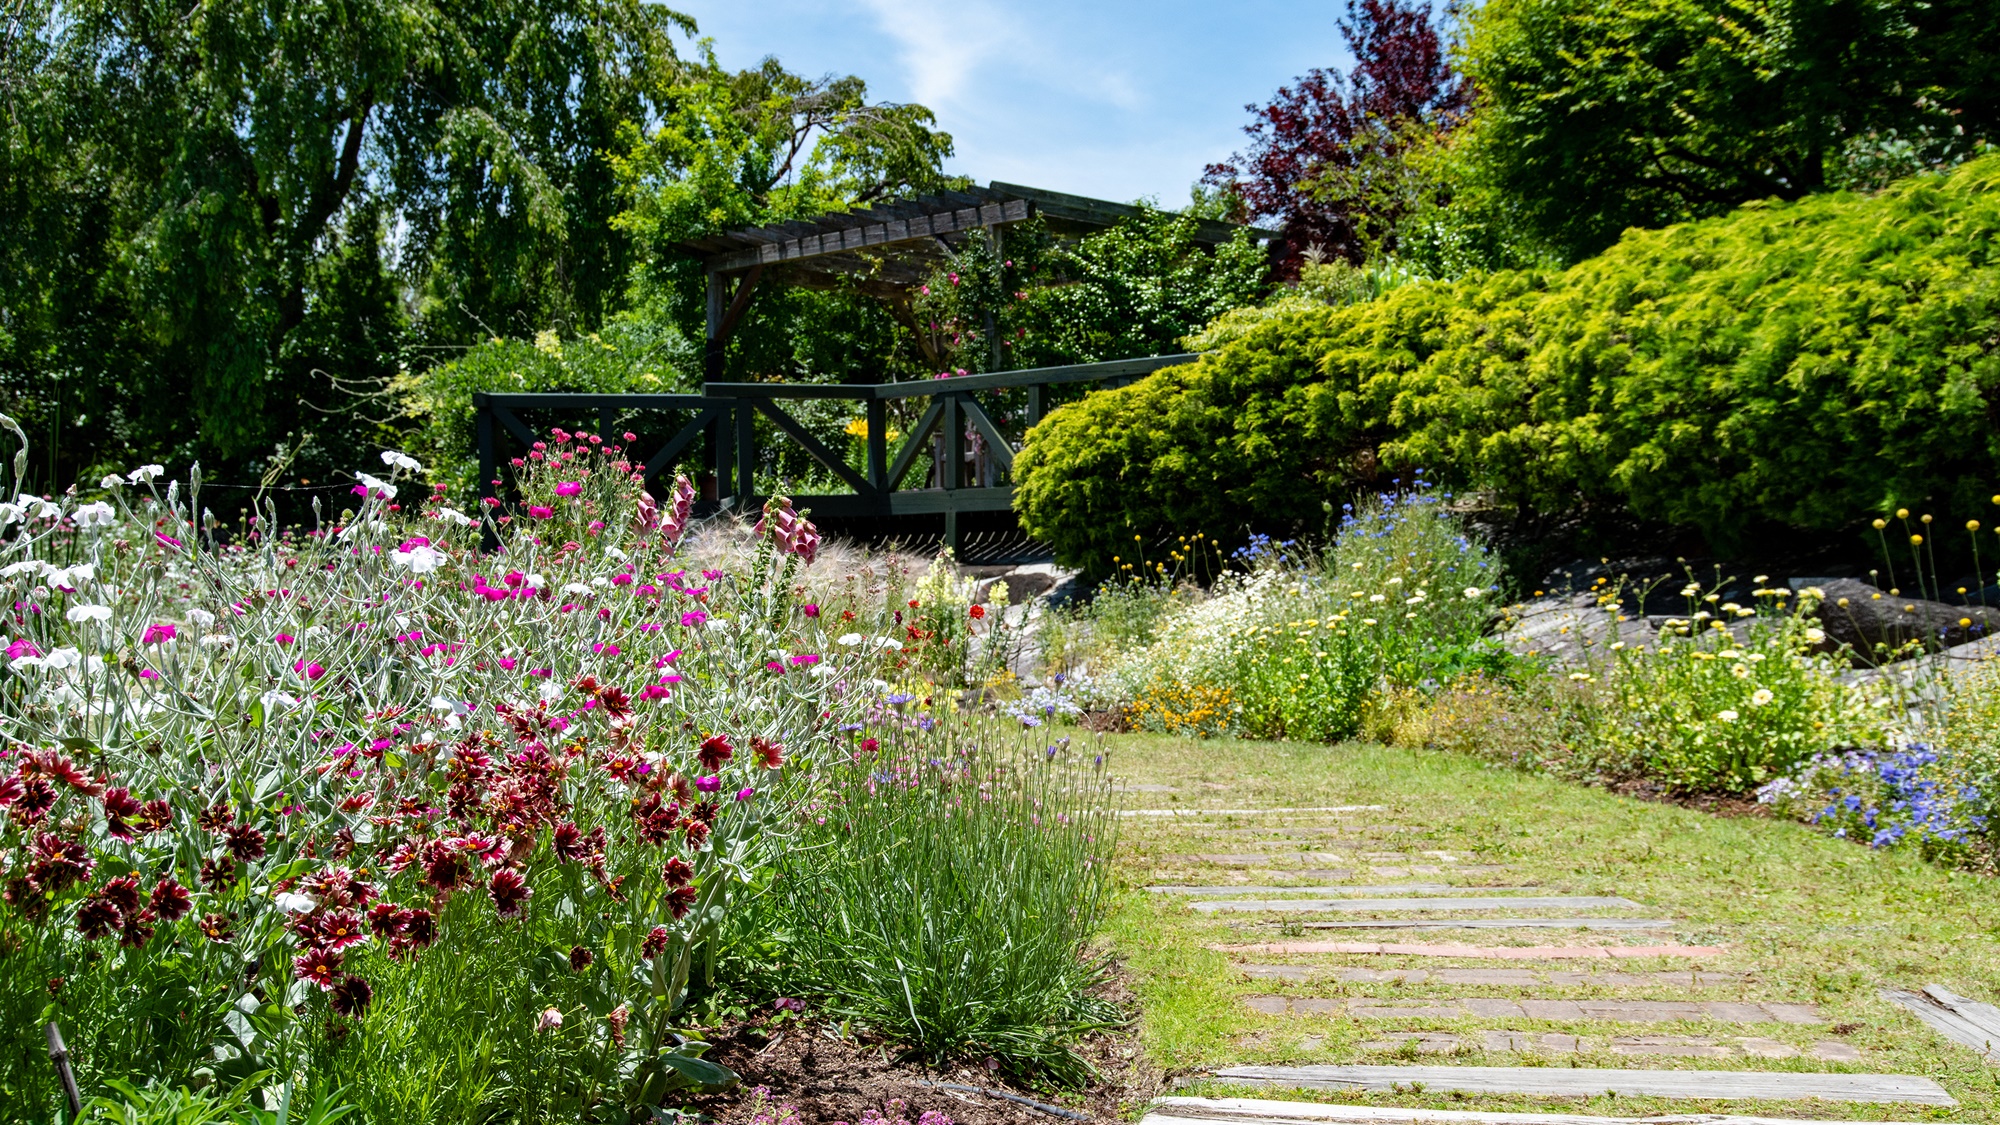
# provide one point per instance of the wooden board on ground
(1467, 902)
(1477, 952)
(1960, 1019)
(1565, 1082)
(1261, 1111)
(1494, 924)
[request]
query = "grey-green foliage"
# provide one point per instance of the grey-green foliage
(946, 891)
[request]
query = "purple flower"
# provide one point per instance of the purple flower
(710, 784)
(155, 634)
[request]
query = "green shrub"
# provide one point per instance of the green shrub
(1785, 365)
(946, 891)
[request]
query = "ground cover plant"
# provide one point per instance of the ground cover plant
(468, 835)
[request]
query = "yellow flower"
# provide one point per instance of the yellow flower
(1902, 513)
(1972, 525)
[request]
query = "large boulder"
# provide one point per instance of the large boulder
(1864, 617)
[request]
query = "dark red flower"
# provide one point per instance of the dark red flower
(36, 799)
(769, 754)
(215, 819)
(218, 874)
(715, 750)
(706, 812)
(567, 840)
(55, 863)
(340, 929)
(123, 893)
(339, 886)
(653, 821)
(351, 995)
(138, 929)
(677, 873)
(445, 867)
(155, 816)
(11, 788)
(509, 891)
(618, 1018)
(170, 899)
(655, 943)
(119, 806)
(680, 900)
(26, 898)
(320, 966)
(215, 927)
(617, 705)
(869, 746)
(96, 918)
(579, 958)
(695, 832)
(416, 928)
(246, 843)
(382, 919)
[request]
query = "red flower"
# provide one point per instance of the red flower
(416, 929)
(617, 705)
(655, 943)
(218, 874)
(351, 995)
(382, 920)
(170, 899)
(869, 746)
(695, 832)
(215, 818)
(123, 893)
(320, 966)
(36, 799)
(567, 840)
(680, 900)
(118, 806)
(138, 929)
(579, 958)
(56, 863)
(155, 816)
(977, 612)
(715, 750)
(444, 866)
(96, 918)
(11, 788)
(339, 930)
(246, 843)
(677, 873)
(509, 891)
(770, 754)
(215, 927)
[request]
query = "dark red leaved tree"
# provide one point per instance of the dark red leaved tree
(1328, 120)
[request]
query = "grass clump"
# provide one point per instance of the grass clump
(945, 893)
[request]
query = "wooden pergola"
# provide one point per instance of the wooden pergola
(889, 248)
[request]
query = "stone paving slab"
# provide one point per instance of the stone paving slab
(1495, 924)
(1549, 1042)
(1551, 1081)
(1261, 1111)
(1477, 952)
(1339, 889)
(1251, 812)
(1522, 902)
(1522, 977)
(1558, 1011)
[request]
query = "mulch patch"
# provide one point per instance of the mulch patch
(827, 1078)
(1713, 804)
(808, 1065)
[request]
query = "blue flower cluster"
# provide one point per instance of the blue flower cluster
(1262, 548)
(1885, 797)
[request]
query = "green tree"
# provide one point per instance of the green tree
(1598, 115)
(222, 218)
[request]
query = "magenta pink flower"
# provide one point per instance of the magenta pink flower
(21, 648)
(709, 784)
(540, 512)
(285, 639)
(308, 669)
(157, 633)
(569, 488)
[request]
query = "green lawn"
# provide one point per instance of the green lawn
(1809, 919)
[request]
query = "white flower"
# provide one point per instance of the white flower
(403, 461)
(96, 514)
(550, 690)
(292, 902)
(1726, 716)
(850, 639)
(78, 614)
(1760, 697)
(1815, 636)
(68, 580)
(217, 639)
(1690, 590)
(889, 643)
(144, 473)
(201, 617)
(1377, 599)
(25, 566)
(1472, 593)
(418, 559)
(375, 485)
(1418, 600)
(577, 588)
(1579, 676)
(112, 480)
(453, 515)
(37, 507)
(276, 701)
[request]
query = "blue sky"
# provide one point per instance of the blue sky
(1116, 100)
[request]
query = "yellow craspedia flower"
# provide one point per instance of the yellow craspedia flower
(1915, 540)
(1880, 524)
(1972, 525)
(1927, 518)
(1902, 513)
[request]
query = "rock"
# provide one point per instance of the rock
(1862, 617)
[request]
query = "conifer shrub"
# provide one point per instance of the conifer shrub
(1787, 365)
